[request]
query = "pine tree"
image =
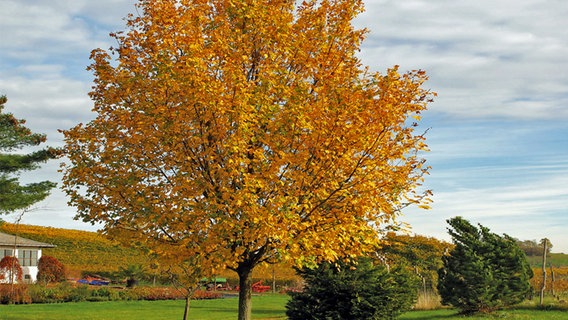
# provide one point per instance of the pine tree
(14, 136)
(336, 291)
(484, 272)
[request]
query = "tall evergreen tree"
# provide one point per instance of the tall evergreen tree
(15, 136)
(484, 271)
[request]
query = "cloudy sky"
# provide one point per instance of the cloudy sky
(498, 130)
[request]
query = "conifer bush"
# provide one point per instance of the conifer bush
(484, 272)
(361, 291)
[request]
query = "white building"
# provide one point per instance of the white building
(27, 251)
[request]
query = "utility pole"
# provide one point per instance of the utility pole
(544, 249)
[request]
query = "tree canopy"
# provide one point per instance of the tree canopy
(534, 248)
(10, 270)
(50, 270)
(422, 254)
(247, 132)
(15, 136)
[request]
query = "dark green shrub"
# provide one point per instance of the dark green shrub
(133, 273)
(129, 295)
(100, 294)
(361, 291)
(62, 292)
(484, 272)
(79, 293)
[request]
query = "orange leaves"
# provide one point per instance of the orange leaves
(247, 129)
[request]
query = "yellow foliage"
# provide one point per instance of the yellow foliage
(560, 283)
(246, 131)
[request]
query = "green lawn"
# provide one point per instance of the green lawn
(517, 314)
(265, 307)
(557, 260)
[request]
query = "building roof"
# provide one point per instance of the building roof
(7, 240)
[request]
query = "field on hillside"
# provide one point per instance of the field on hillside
(556, 259)
(85, 252)
(556, 281)
(556, 274)
(79, 251)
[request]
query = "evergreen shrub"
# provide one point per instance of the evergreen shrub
(484, 272)
(361, 291)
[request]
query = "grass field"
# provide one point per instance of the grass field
(265, 307)
(556, 259)
(517, 314)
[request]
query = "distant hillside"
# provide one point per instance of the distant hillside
(79, 251)
(89, 252)
(556, 259)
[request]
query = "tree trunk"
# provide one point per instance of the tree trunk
(273, 279)
(245, 292)
(186, 311)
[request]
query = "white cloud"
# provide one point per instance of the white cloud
(48, 104)
(498, 134)
(478, 56)
(526, 209)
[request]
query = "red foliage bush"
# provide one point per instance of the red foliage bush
(204, 295)
(50, 270)
(10, 268)
(170, 293)
(158, 293)
(14, 293)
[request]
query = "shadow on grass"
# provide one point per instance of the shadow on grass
(229, 310)
(430, 314)
(546, 307)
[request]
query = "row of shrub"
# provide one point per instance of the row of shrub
(67, 292)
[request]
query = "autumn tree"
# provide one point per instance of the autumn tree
(532, 247)
(50, 270)
(15, 136)
(421, 254)
(10, 270)
(186, 276)
(248, 132)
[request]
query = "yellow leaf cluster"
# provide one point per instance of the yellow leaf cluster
(246, 131)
